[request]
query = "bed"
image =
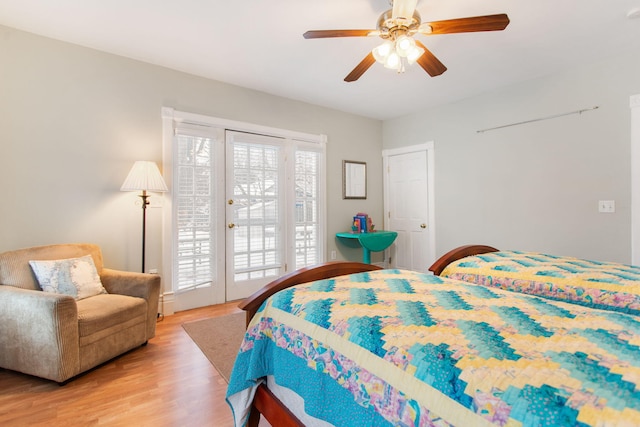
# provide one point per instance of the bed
(605, 285)
(352, 344)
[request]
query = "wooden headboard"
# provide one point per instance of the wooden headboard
(459, 253)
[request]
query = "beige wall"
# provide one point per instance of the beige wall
(73, 120)
(534, 186)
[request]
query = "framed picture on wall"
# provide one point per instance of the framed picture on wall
(354, 179)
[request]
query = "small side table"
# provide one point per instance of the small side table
(375, 241)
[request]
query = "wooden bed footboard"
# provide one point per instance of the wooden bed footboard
(264, 402)
(459, 253)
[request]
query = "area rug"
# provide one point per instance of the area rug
(219, 338)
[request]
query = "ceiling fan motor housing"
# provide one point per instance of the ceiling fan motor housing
(392, 28)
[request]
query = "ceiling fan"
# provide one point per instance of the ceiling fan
(397, 26)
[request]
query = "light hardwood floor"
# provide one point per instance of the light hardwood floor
(169, 382)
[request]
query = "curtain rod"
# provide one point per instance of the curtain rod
(539, 119)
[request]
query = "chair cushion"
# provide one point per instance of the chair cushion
(74, 276)
(108, 313)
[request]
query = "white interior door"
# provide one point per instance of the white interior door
(255, 212)
(409, 206)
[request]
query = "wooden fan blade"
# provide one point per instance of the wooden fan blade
(429, 62)
(468, 25)
(363, 66)
(323, 34)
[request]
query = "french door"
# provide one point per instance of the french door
(245, 208)
(197, 230)
(255, 176)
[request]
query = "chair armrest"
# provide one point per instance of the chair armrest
(139, 285)
(39, 333)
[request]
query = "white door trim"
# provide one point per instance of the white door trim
(217, 122)
(429, 147)
(170, 117)
(634, 104)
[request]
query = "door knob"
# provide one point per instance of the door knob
(423, 225)
(231, 225)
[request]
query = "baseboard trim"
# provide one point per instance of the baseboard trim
(166, 306)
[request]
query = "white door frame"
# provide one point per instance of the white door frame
(429, 147)
(171, 116)
(634, 104)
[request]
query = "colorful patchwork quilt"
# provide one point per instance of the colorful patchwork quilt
(609, 286)
(401, 348)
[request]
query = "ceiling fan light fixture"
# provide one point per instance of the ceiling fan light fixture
(380, 53)
(414, 54)
(404, 45)
(393, 54)
(393, 61)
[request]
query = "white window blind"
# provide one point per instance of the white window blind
(307, 208)
(195, 231)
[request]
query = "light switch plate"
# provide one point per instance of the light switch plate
(606, 206)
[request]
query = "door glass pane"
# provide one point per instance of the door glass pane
(194, 230)
(256, 210)
(306, 208)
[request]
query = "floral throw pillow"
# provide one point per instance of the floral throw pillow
(77, 277)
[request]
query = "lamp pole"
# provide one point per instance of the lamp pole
(145, 201)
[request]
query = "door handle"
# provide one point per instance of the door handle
(423, 225)
(231, 225)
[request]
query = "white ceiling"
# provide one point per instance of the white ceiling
(259, 44)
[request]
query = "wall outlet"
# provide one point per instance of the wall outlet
(607, 206)
(333, 255)
(155, 201)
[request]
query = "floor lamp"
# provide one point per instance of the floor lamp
(144, 176)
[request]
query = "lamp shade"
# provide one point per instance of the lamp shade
(144, 175)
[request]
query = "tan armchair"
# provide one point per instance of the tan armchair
(57, 337)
